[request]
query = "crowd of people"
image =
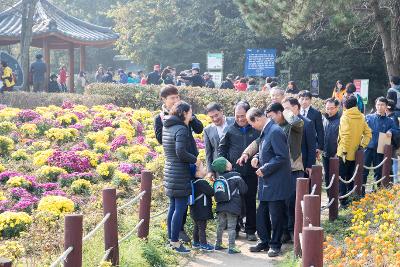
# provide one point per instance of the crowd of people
(259, 154)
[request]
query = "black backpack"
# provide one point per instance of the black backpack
(222, 191)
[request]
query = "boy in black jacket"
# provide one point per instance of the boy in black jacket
(228, 211)
(201, 210)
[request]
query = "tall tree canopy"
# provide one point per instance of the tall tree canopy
(179, 32)
(362, 20)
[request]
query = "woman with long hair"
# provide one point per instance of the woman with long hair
(339, 90)
(180, 166)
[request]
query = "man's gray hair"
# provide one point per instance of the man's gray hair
(278, 90)
(254, 113)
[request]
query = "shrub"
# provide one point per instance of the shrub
(7, 127)
(33, 100)
(50, 173)
(20, 154)
(140, 96)
(13, 223)
(56, 204)
(6, 145)
(81, 187)
(19, 181)
(106, 170)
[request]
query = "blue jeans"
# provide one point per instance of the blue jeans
(395, 169)
(177, 209)
(371, 157)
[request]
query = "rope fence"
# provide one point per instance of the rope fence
(376, 167)
(62, 257)
(100, 224)
(132, 201)
(128, 235)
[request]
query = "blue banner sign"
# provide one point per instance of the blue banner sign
(260, 62)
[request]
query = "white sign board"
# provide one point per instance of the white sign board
(215, 61)
(216, 77)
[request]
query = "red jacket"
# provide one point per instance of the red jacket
(241, 86)
(63, 76)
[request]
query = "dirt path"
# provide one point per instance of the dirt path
(246, 258)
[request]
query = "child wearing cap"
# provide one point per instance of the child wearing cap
(228, 189)
(201, 209)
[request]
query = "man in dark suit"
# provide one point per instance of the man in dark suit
(315, 116)
(308, 142)
(155, 76)
(214, 132)
(273, 162)
(237, 137)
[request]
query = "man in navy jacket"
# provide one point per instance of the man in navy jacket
(273, 162)
(379, 123)
(315, 116)
(331, 123)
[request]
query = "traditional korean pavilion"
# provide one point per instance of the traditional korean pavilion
(54, 29)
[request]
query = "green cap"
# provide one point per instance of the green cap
(219, 165)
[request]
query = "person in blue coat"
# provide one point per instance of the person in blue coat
(273, 162)
(379, 123)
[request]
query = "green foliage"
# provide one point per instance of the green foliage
(179, 32)
(339, 227)
(137, 96)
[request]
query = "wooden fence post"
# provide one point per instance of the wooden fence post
(313, 238)
(387, 165)
(334, 190)
(5, 262)
(302, 188)
(111, 225)
(316, 179)
(145, 203)
(312, 210)
(73, 238)
(358, 180)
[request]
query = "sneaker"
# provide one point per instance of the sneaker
(220, 247)
(184, 237)
(233, 250)
(259, 247)
(181, 249)
(251, 237)
(207, 247)
(195, 245)
(274, 252)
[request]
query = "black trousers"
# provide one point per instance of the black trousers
(199, 232)
(250, 203)
(270, 222)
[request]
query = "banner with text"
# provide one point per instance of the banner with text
(362, 86)
(260, 62)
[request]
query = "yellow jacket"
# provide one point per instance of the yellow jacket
(353, 133)
(7, 77)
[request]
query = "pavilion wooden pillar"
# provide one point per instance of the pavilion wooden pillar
(46, 55)
(82, 64)
(71, 68)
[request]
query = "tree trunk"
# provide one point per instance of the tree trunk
(27, 12)
(386, 37)
(395, 33)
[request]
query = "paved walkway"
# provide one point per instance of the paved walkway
(244, 259)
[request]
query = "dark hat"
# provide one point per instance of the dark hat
(219, 165)
(39, 56)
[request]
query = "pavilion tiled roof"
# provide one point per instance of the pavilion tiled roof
(52, 22)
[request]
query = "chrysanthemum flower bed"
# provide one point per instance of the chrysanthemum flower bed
(373, 238)
(55, 160)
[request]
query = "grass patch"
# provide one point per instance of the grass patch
(338, 228)
(289, 260)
